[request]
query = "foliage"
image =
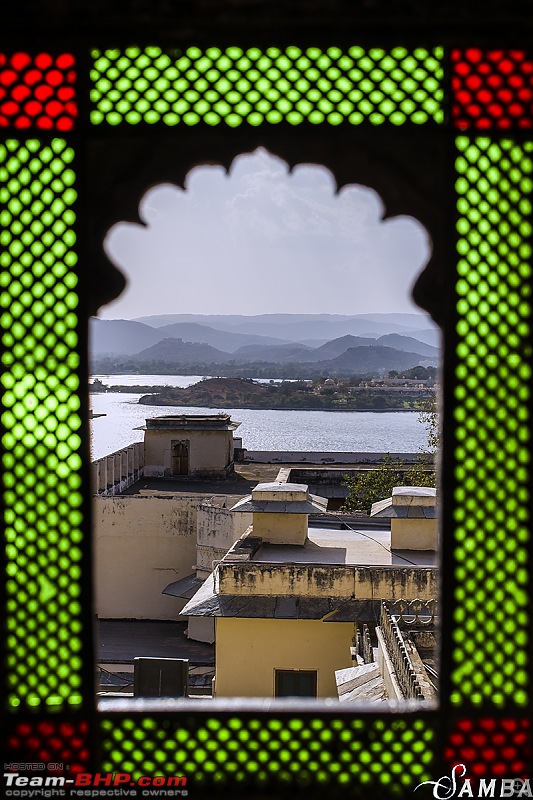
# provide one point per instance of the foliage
(372, 485)
(429, 418)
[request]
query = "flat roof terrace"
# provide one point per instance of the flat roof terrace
(340, 546)
(240, 483)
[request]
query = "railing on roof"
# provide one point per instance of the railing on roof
(406, 674)
(116, 472)
(364, 644)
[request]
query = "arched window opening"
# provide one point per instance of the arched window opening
(268, 441)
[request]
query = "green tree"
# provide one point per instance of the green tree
(372, 485)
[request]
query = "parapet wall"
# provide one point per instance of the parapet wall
(319, 457)
(332, 580)
(113, 474)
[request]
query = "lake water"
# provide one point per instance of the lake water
(341, 431)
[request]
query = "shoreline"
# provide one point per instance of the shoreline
(285, 408)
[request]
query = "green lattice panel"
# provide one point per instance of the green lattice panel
(41, 463)
(252, 86)
(494, 188)
(392, 755)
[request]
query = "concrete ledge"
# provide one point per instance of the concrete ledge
(387, 670)
(310, 457)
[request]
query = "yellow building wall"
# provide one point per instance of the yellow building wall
(414, 534)
(248, 651)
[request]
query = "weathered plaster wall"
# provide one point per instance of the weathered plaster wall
(414, 534)
(248, 652)
(210, 452)
(217, 529)
(386, 583)
(141, 545)
(281, 528)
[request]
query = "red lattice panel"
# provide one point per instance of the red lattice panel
(62, 744)
(491, 747)
(37, 91)
(492, 89)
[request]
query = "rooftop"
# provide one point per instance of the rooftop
(348, 547)
(281, 498)
(240, 483)
(190, 422)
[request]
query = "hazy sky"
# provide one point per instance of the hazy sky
(263, 240)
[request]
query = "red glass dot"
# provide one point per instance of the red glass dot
(515, 80)
(494, 81)
(71, 76)
(484, 123)
(54, 108)
(506, 66)
(8, 77)
(64, 124)
(33, 108)
(516, 109)
(463, 68)
(44, 123)
(473, 109)
(54, 77)
(3, 59)
(3, 93)
(20, 93)
(65, 61)
(474, 55)
(43, 61)
(9, 108)
(505, 95)
(32, 77)
(473, 82)
(65, 93)
(484, 96)
(21, 123)
(526, 95)
(495, 110)
(72, 109)
(20, 61)
(463, 97)
(499, 769)
(43, 92)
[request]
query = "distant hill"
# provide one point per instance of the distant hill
(336, 347)
(430, 336)
(278, 353)
(365, 360)
(121, 336)
(300, 327)
(409, 344)
(176, 351)
(222, 340)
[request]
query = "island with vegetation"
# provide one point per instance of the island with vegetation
(400, 394)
